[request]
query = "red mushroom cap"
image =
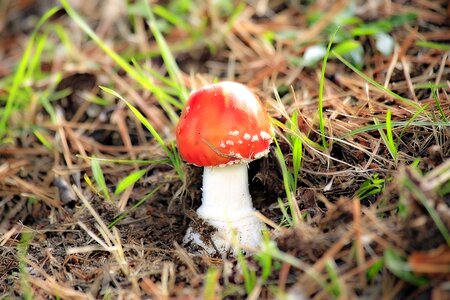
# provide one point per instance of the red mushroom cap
(223, 123)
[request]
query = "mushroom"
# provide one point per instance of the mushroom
(222, 128)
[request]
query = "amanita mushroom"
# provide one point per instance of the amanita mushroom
(222, 128)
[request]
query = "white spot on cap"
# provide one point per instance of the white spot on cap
(261, 154)
(239, 142)
(234, 132)
(247, 136)
(229, 142)
(222, 144)
(264, 135)
(255, 138)
(188, 108)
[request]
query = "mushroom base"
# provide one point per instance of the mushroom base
(227, 206)
(245, 234)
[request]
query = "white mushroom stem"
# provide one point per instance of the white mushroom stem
(227, 205)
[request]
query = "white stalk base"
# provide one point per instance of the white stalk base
(227, 206)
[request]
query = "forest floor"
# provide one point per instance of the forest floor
(355, 193)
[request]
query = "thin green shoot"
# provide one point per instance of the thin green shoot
(288, 184)
(173, 156)
(321, 87)
(434, 93)
(248, 274)
(433, 45)
(19, 76)
(418, 193)
(134, 207)
(376, 84)
(163, 98)
(211, 283)
(370, 187)
(334, 287)
(265, 260)
(97, 172)
(128, 181)
(46, 97)
(125, 161)
(171, 86)
(166, 54)
(387, 137)
(295, 131)
(415, 163)
(297, 150)
(90, 183)
(379, 126)
(44, 141)
(287, 219)
(22, 252)
(292, 127)
(33, 70)
(375, 269)
(56, 95)
(63, 36)
(400, 267)
(170, 17)
(269, 247)
(235, 14)
(411, 120)
(439, 85)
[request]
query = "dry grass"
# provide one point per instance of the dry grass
(392, 244)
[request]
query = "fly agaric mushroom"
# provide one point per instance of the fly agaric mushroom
(222, 128)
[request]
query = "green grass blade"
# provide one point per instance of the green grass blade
(265, 259)
(410, 121)
(433, 45)
(376, 84)
(125, 161)
(129, 181)
(170, 16)
(438, 103)
(379, 126)
(334, 287)
(390, 138)
(248, 274)
(162, 97)
(134, 207)
(211, 284)
(100, 179)
(375, 269)
(415, 190)
(22, 252)
(172, 155)
(321, 87)
(287, 182)
(141, 118)
(297, 153)
(166, 54)
(400, 268)
(44, 141)
(35, 61)
(19, 76)
(296, 148)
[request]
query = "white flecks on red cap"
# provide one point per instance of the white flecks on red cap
(264, 135)
(240, 125)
